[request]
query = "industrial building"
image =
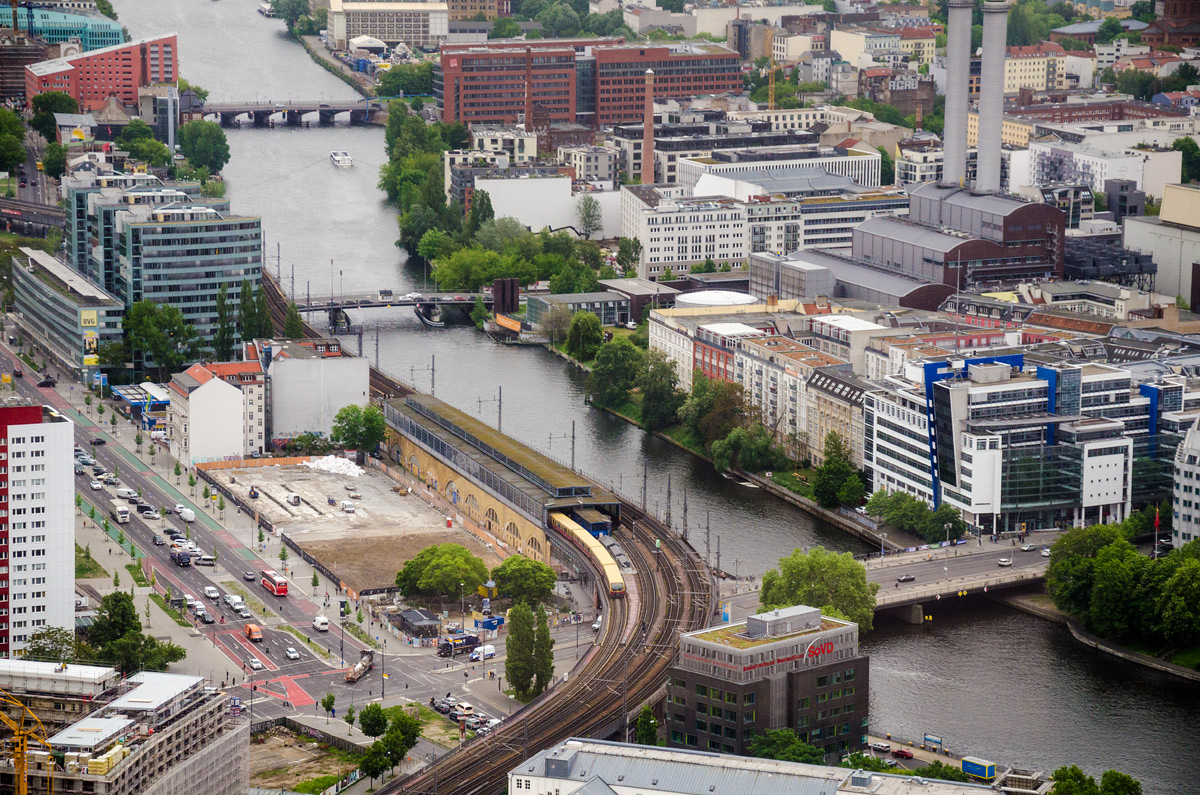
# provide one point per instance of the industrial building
(857, 161)
(611, 308)
(150, 734)
(784, 669)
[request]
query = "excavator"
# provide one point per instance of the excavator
(25, 730)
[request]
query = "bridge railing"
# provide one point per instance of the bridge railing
(945, 588)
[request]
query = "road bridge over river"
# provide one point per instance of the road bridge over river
(263, 113)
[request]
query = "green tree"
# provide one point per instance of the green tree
(629, 253)
(1073, 781)
(54, 644)
(247, 314)
(504, 28)
(405, 80)
(887, 168)
(283, 555)
(316, 581)
(584, 336)
(44, 107)
(435, 244)
(263, 314)
(524, 579)
(944, 772)
(225, 335)
(750, 449)
(661, 397)
(784, 745)
(830, 479)
(480, 212)
(1071, 573)
(12, 153)
(1191, 157)
(1178, 605)
(290, 11)
(117, 636)
(543, 654)
(372, 720)
(835, 583)
(1116, 607)
(349, 718)
(519, 663)
(359, 427)
(375, 761)
(590, 217)
(645, 730)
(203, 143)
(293, 326)
(1110, 28)
(158, 334)
(615, 372)
(708, 266)
(401, 737)
(479, 313)
(54, 160)
(136, 130)
(327, 703)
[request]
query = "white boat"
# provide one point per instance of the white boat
(341, 159)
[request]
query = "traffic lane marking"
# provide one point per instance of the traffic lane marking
(262, 658)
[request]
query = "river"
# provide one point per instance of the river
(991, 682)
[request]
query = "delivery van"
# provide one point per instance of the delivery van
(347, 506)
(483, 653)
(254, 633)
(187, 515)
(293, 499)
(321, 624)
(124, 493)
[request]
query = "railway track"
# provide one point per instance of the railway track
(673, 594)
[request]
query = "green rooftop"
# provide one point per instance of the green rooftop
(733, 635)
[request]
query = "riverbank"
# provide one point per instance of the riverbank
(323, 58)
(1042, 606)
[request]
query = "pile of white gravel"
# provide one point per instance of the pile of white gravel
(335, 465)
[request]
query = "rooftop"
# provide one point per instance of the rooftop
(638, 287)
(59, 276)
(154, 690)
(62, 64)
(89, 733)
(580, 298)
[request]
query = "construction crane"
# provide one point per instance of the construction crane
(770, 80)
(25, 730)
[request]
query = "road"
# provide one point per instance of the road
(942, 564)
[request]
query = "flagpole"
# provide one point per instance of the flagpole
(1156, 509)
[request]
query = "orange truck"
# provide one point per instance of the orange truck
(254, 633)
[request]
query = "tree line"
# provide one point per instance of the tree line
(913, 515)
(440, 570)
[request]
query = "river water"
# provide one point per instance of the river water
(989, 681)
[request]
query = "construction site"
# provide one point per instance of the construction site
(85, 729)
(357, 523)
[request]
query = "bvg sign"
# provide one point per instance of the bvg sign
(817, 649)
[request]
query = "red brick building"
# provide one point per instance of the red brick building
(596, 82)
(92, 77)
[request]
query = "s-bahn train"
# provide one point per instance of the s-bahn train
(586, 543)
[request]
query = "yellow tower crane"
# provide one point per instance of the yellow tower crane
(771, 85)
(28, 729)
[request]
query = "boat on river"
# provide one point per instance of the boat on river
(341, 159)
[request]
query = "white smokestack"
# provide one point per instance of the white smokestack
(991, 94)
(958, 74)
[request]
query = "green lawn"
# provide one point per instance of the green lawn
(86, 566)
(316, 785)
(1188, 658)
(139, 577)
(799, 481)
(688, 438)
(174, 614)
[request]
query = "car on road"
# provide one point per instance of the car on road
(906, 578)
(244, 612)
(211, 592)
(158, 540)
(1045, 552)
(18, 372)
(1027, 547)
(890, 763)
(1005, 562)
(248, 576)
(254, 664)
(78, 469)
(86, 460)
(291, 653)
(149, 513)
(178, 507)
(111, 479)
(207, 618)
(902, 753)
(96, 485)
(97, 442)
(47, 383)
(883, 748)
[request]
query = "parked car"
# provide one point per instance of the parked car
(906, 578)
(488, 727)
(254, 664)
(1027, 547)
(292, 654)
(96, 485)
(882, 748)
(178, 508)
(111, 479)
(477, 720)
(1005, 562)
(149, 513)
(47, 383)
(443, 707)
(211, 592)
(902, 753)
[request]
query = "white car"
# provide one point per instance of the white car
(1005, 562)
(1028, 547)
(1045, 552)
(178, 507)
(254, 664)
(882, 748)
(96, 485)
(292, 654)
(211, 592)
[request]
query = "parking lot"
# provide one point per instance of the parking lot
(365, 548)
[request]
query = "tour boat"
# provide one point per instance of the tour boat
(341, 159)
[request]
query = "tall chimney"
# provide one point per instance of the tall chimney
(958, 74)
(528, 89)
(648, 132)
(991, 95)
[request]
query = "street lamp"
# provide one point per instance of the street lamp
(882, 536)
(463, 604)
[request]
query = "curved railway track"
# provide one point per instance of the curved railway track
(673, 594)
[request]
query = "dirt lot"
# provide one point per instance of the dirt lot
(366, 548)
(373, 562)
(286, 759)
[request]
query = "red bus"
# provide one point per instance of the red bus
(274, 583)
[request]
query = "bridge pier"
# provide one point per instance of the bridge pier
(359, 116)
(261, 118)
(228, 119)
(294, 118)
(325, 117)
(910, 614)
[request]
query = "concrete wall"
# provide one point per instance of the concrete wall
(514, 531)
(539, 202)
(1174, 249)
(215, 422)
(306, 394)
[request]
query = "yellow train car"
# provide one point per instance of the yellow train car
(585, 542)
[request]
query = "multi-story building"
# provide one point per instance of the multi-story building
(774, 372)
(94, 31)
(920, 158)
(471, 9)
(308, 383)
(834, 405)
(1185, 520)
(152, 734)
(789, 47)
(677, 233)
(519, 144)
(919, 44)
(17, 52)
(706, 338)
(749, 39)
(858, 162)
(38, 526)
(589, 162)
(142, 239)
(1041, 67)
(673, 142)
(218, 412)
(1151, 168)
(859, 45)
(1012, 448)
(611, 308)
(785, 669)
(64, 312)
(58, 696)
(595, 82)
(117, 71)
(417, 23)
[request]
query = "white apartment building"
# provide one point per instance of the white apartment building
(308, 382)
(860, 45)
(413, 22)
(590, 162)
(1108, 54)
(217, 412)
(39, 575)
(1041, 67)
(773, 372)
(519, 144)
(470, 157)
(1060, 162)
(859, 162)
(1185, 524)
(787, 48)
